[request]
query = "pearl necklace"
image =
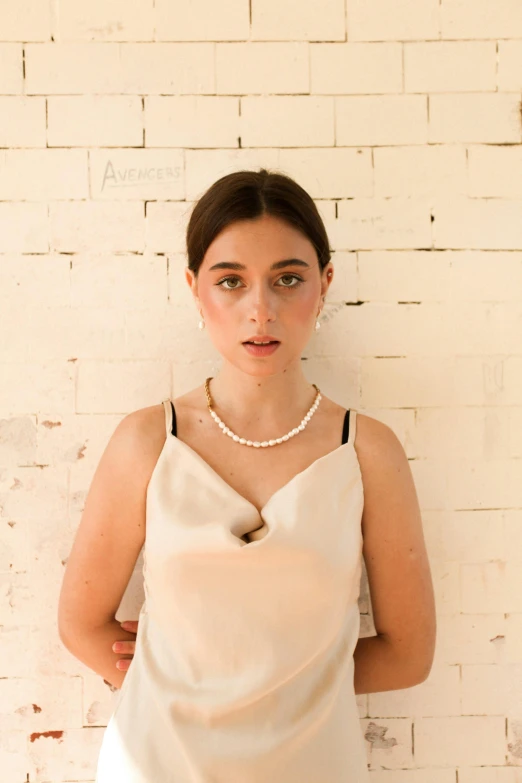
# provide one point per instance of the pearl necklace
(256, 443)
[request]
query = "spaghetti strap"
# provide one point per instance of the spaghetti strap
(346, 426)
(349, 426)
(169, 417)
(353, 426)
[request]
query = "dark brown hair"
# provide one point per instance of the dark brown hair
(247, 195)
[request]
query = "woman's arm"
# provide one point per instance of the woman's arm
(93, 647)
(401, 589)
(379, 666)
(107, 544)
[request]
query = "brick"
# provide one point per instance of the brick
(22, 121)
(23, 227)
(36, 486)
(420, 170)
(150, 332)
(78, 746)
(466, 536)
(384, 330)
(407, 382)
(485, 688)
(95, 121)
(389, 742)
(43, 174)
(106, 20)
(25, 21)
(191, 121)
(509, 66)
(513, 532)
(128, 68)
(141, 281)
(14, 346)
(365, 223)
(450, 66)
(90, 225)
(277, 20)
(11, 69)
(392, 20)
(413, 776)
(166, 225)
(475, 118)
(368, 120)
(463, 431)
(483, 328)
(202, 20)
(494, 276)
(484, 484)
(127, 384)
(473, 639)
(255, 67)
(487, 380)
(483, 587)
(480, 224)
(14, 755)
(403, 275)
(32, 386)
(27, 280)
(143, 174)
(460, 741)
(484, 19)
(17, 447)
(59, 700)
(495, 172)
(287, 121)
(83, 332)
(330, 172)
(490, 775)
(179, 293)
(351, 68)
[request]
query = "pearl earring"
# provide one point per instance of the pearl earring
(317, 326)
(201, 324)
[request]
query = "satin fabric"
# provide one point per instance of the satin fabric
(243, 669)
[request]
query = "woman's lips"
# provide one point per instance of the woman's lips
(261, 350)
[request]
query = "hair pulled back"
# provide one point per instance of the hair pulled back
(247, 195)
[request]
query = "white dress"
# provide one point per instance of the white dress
(243, 669)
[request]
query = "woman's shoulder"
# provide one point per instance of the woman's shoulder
(379, 450)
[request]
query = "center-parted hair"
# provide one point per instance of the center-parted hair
(247, 195)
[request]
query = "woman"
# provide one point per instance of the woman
(247, 661)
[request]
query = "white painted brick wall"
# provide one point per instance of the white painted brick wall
(402, 119)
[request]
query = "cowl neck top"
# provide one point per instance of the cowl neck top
(243, 668)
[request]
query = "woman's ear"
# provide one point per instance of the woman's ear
(326, 279)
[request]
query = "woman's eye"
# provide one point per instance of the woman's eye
(234, 278)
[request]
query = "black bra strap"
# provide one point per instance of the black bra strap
(174, 429)
(346, 423)
(346, 426)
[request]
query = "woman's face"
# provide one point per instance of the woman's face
(239, 295)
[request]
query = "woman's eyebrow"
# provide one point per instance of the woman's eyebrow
(277, 265)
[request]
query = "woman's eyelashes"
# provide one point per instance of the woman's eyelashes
(298, 279)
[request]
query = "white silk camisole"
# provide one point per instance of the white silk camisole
(243, 670)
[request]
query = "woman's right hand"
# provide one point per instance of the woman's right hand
(126, 646)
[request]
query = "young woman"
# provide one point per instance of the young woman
(255, 498)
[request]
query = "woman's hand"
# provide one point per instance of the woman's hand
(127, 646)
